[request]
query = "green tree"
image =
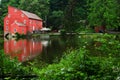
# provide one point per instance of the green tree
(39, 7)
(103, 13)
(4, 9)
(69, 16)
(56, 14)
(74, 12)
(56, 19)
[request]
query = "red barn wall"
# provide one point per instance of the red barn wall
(6, 25)
(34, 25)
(20, 29)
(16, 15)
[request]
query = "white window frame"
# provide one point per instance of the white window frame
(22, 30)
(24, 21)
(15, 21)
(7, 21)
(22, 15)
(14, 43)
(15, 30)
(6, 28)
(30, 21)
(15, 10)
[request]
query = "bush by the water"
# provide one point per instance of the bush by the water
(81, 65)
(20, 35)
(77, 65)
(11, 68)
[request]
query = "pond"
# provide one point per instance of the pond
(46, 48)
(50, 49)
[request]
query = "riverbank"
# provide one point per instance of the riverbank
(42, 35)
(46, 34)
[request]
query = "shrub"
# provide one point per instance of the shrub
(11, 68)
(77, 65)
(63, 32)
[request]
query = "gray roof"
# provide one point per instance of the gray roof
(31, 15)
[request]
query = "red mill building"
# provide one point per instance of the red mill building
(22, 22)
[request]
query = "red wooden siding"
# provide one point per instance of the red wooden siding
(100, 29)
(30, 21)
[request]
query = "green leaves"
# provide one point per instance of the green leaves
(39, 7)
(104, 13)
(11, 67)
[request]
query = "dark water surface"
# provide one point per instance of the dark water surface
(48, 49)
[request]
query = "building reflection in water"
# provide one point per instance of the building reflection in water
(23, 49)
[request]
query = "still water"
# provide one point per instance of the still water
(47, 48)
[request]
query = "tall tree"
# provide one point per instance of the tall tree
(4, 10)
(56, 13)
(103, 13)
(74, 12)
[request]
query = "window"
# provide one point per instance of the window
(7, 21)
(36, 22)
(6, 28)
(23, 30)
(22, 15)
(31, 28)
(24, 21)
(24, 50)
(15, 21)
(15, 30)
(14, 43)
(8, 15)
(30, 21)
(15, 10)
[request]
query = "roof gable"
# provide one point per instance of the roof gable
(28, 14)
(31, 15)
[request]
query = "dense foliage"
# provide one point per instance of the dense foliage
(77, 65)
(81, 63)
(104, 13)
(11, 68)
(70, 15)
